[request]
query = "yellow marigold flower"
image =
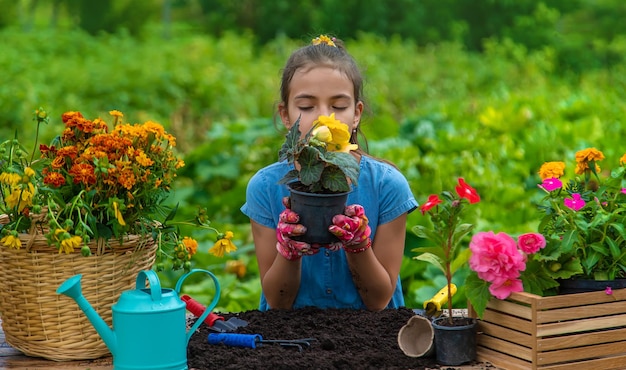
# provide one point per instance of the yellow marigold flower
(143, 159)
(11, 241)
(68, 244)
(340, 134)
(323, 39)
(551, 170)
(179, 164)
(191, 245)
(116, 113)
(236, 267)
(224, 245)
(622, 160)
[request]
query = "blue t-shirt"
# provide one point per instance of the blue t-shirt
(326, 281)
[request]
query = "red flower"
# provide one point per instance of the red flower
(466, 191)
(432, 201)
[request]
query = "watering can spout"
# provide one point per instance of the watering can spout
(71, 288)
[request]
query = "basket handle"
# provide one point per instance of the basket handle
(155, 284)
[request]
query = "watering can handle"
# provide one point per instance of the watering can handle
(210, 307)
(155, 284)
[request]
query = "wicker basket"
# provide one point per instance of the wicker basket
(41, 323)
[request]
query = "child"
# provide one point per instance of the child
(363, 270)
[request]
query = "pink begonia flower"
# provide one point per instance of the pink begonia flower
(495, 256)
(575, 202)
(623, 190)
(502, 289)
(608, 290)
(551, 184)
(530, 243)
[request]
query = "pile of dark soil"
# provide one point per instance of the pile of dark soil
(344, 339)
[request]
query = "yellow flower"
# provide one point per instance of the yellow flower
(552, 170)
(21, 197)
(29, 172)
(68, 244)
(116, 113)
(224, 245)
(323, 39)
(11, 241)
(10, 178)
(322, 133)
(118, 214)
(339, 131)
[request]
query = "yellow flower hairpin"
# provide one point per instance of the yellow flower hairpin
(323, 39)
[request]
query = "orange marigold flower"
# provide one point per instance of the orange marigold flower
(127, 178)
(83, 173)
(622, 160)
(55, 179)
(552, 170)
(191, 245)
(588, 155)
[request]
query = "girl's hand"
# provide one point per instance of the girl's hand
(352, 229)
(287, 228)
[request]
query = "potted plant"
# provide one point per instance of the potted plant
(455, 341)
(323, 173)
(88, 204)
(583, 223)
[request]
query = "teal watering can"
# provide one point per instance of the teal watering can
(149, 323)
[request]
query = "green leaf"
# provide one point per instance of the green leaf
(290, 145)
(432, 259)
(477, 291)
(310, 167)
(460, 260)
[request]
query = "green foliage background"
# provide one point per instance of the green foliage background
(439, 110)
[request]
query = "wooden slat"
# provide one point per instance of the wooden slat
(504, 346)
(502, 332)
(581, 312)
(502, 360)
(580, 299)
(578, 340)
(511, 308)
(606, 363)
(505, 320)
(581, 325)
(577, 354)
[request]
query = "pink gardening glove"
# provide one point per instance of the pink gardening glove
(288, 227)
(352, 228)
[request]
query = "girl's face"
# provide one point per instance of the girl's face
(320, 91)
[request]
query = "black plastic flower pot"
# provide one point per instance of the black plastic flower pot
(316, 212)
(571, 286)
(455, 344)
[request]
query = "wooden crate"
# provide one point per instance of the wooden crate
(584, 331)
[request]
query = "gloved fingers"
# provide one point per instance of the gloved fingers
(287, 202)
(349, 223)
(289, 216)
(288, 229)
(341, 233)
(354, 210)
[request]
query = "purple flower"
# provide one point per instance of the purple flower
(551, 184)
(575, 202)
